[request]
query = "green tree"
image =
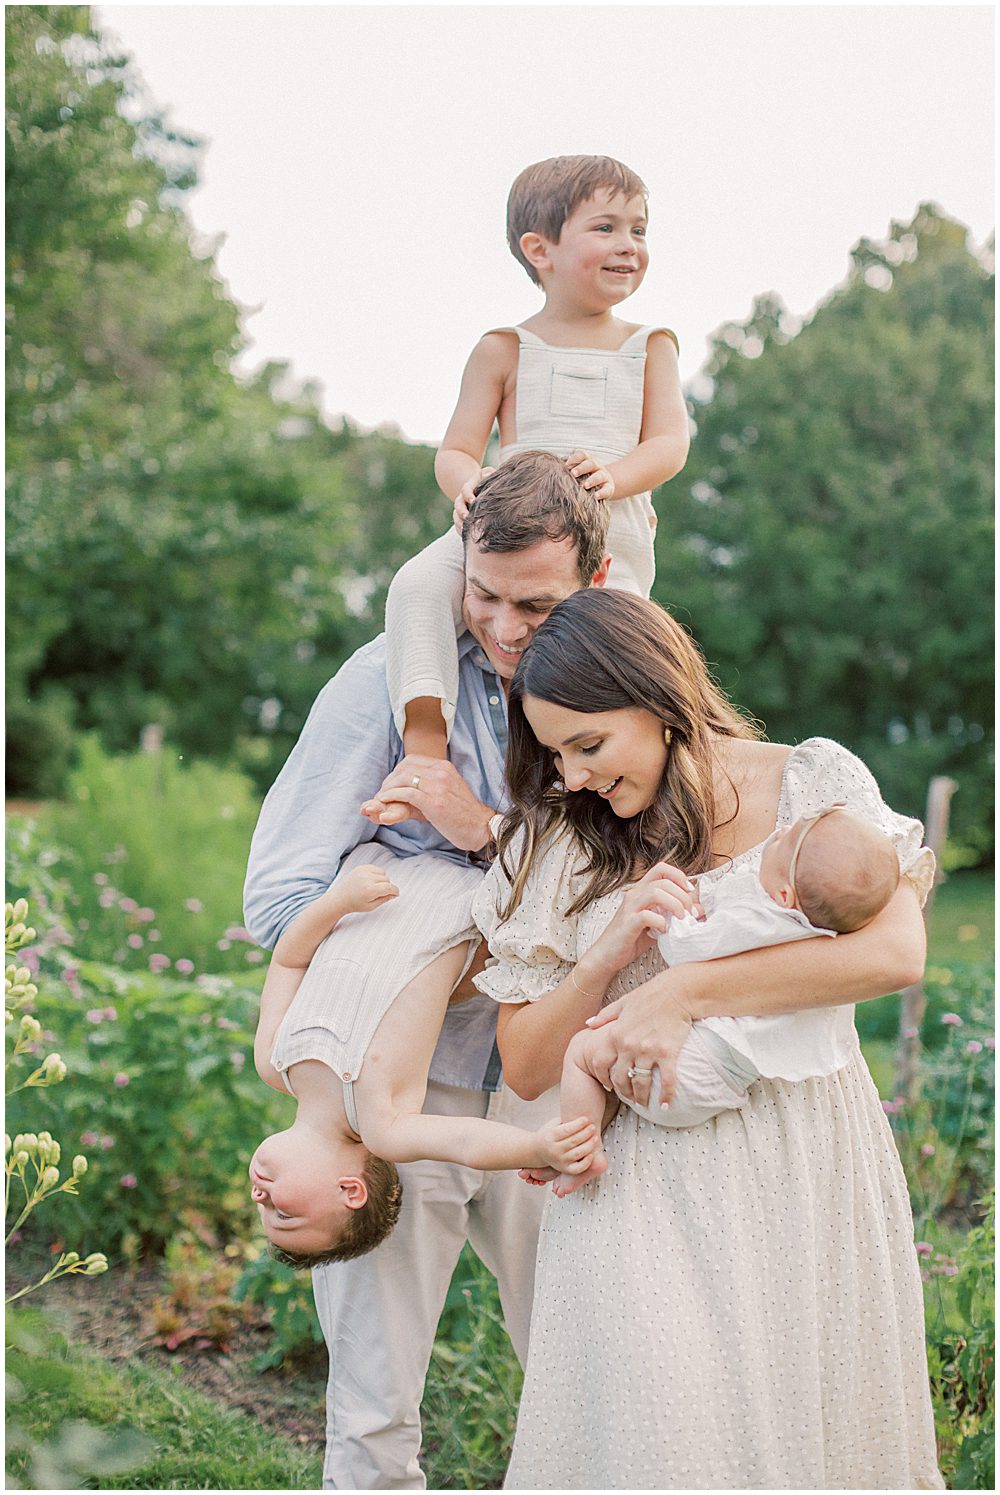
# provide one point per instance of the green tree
(830, 540)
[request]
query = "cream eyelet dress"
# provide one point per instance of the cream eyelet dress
(566, 399)
(735, 1305)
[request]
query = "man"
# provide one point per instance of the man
(532, 537)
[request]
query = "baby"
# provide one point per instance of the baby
(356, 1035)
(825, 874)
(573, 380)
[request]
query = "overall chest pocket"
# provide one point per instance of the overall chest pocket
(331, 995)
(578, 392)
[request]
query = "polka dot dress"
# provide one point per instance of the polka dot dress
(735, 1305)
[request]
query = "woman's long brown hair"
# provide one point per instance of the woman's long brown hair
(602, 650)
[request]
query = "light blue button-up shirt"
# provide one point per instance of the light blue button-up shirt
(310, 819)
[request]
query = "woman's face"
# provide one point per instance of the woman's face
(618, 755)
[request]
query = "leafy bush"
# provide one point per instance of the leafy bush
(162, 1093)
(962, 1364)
(286, 1297)
(151, 850)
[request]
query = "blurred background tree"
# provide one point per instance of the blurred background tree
(201, 551)
(830, 540)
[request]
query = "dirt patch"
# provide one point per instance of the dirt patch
(111, 1315)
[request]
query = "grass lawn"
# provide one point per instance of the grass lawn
(193, 1443)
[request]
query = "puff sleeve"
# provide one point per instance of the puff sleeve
(821, 771)
(536, 948)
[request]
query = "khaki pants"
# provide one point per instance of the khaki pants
(379, 1313)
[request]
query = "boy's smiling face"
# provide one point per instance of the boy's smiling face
(602, 253)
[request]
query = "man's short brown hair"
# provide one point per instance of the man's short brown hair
(533, 497)
(545, 194)
(366, 1227)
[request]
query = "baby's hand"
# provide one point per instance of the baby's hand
(569, 1146)
(365, 888)
(590, 475)
(466, 496)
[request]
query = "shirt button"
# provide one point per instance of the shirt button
(279, 1063)
(347, 1076)
(494, 700)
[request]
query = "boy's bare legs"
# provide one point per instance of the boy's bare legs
(580, 1094)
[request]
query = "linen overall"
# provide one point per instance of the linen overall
(567, 399)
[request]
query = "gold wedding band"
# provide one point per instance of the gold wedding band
(415, 781)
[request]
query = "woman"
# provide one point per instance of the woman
(734, 1305)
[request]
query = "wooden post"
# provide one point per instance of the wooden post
(914, 1000)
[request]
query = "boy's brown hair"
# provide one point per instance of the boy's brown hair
(366, 1227)
(531, 497)
(544, 195)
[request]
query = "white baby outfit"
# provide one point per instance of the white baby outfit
(347, 989)
(567, 399)
(723, 1055)
(735, 1305)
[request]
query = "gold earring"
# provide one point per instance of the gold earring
(667, 736)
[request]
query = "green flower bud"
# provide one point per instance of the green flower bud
(45, 1139)
(27, 1140)
(53, 1069)
(50, 1178)
(7, 1144)
(95, 1264)
(79, 1165)
(31, 1028)
(55, 1152)
(8, 1016)
(21, 1160)
(17, 911)
(70, 1258)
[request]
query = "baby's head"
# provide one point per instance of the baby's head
(836, 868)
(545, 195)
(328, 1200)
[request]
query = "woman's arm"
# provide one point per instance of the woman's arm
(652, 1022)
(533, 1038)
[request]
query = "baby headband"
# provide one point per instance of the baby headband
(803, 833)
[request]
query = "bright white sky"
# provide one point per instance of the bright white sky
(358, 160)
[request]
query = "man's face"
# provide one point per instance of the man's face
(508, 594)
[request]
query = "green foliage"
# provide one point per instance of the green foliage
(473, 1387)
(162, 1093)
(32, 1172)
(198, 1305)
(155, 845)
(830, 539)
(285, 1295)
(963, 1364)
(191, 1443)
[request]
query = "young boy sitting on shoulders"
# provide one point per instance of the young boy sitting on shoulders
(574, 380)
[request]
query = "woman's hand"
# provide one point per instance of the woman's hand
(665, 892)
(647, 1029)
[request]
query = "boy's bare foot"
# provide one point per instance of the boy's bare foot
(568, 1183)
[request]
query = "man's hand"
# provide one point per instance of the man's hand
(432, 789)
(591, 475)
